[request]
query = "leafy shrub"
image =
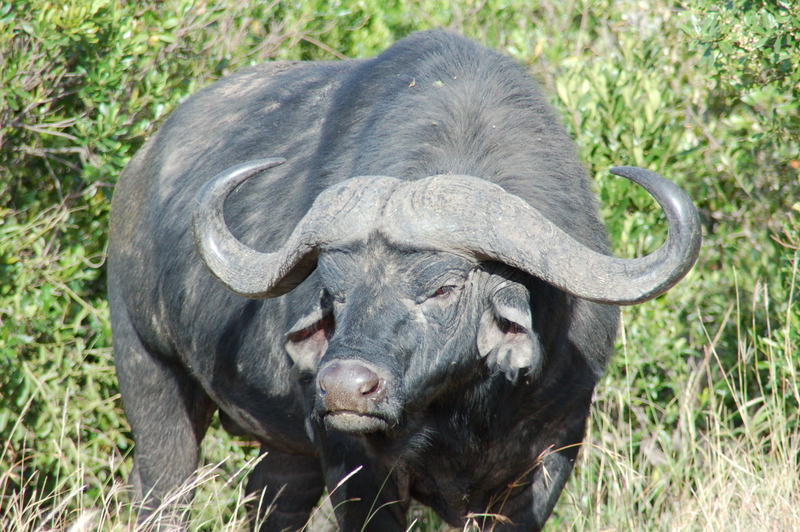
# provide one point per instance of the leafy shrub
(705, 93)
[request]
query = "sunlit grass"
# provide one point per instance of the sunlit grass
(695, 425)
(722, 467)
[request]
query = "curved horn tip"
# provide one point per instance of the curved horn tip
(649, 179)
(224, 182)
(637, 174)
(222, 254)
(253, 166)
(684, 238)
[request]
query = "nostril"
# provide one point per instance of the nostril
(349, 385)
(371, 387)
(327, 378)
(363, 379)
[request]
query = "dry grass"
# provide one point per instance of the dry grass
(723, 467)
(738, 473)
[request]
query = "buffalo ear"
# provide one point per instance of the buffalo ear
(307, 340)
(505, 336)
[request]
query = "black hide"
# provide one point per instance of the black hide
(475, 379)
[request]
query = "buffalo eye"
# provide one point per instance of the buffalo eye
(444, 291)
(509, 327)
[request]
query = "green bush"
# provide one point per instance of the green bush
(705, 93)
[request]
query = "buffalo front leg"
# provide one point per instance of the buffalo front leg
(169, 414)
(285, 488)
(365, 495)
(527, 501)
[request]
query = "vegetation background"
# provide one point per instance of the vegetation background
(695, 426)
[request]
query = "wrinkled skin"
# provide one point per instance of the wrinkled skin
(416, 317)
(485, 373)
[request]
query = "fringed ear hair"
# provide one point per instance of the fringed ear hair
(506, 337)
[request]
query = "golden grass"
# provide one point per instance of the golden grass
(720, 467)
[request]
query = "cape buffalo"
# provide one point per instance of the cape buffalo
(409, 281)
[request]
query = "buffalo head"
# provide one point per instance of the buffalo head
(423, 283)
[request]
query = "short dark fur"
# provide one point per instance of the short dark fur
(463, 437)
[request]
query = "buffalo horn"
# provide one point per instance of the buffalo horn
(471, 215)
(344, 209)
(461, 214)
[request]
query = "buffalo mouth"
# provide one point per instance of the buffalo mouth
(354, 422)
(353, 396)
